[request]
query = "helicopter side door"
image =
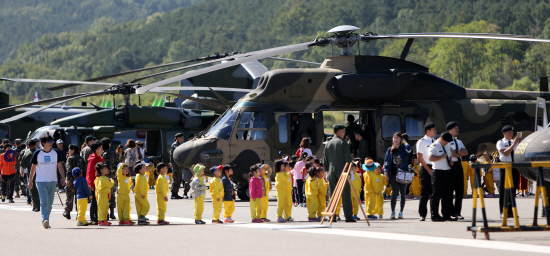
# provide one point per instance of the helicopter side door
(248, 144)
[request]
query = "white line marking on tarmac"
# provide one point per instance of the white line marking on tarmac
(327, 230)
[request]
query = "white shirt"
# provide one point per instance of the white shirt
(46, 165)
(308, 151)
(504, 144)
(436, 149)
(454, 148)
(422, 146)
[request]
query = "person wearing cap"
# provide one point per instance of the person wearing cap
(177, 171)
(199, 190)
(110, 158)
(32, 192)
(442, 185)
(17, 148)
(458, 150)
(7, 167)
(425, 173)
(74, 160)
(82, 195)
(374, 186)
(335, 156)
(86, 152)
(505, 148)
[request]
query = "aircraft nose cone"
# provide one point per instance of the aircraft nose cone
(201, 150)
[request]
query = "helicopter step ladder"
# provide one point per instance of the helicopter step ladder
(478, 192)
(335, 197)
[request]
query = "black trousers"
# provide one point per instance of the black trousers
(300, 191)
(93, 207)
(34, 194)
(458, 186)
(515, 177)
(8, 183)
(425, 191)
(442, 191)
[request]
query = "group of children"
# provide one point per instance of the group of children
(222, 191)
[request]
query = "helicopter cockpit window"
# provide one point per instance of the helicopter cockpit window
(390, 125)
(414, 126)
(223, 128)
(252, 126)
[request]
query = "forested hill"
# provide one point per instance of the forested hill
(26, 20)
(243, 25)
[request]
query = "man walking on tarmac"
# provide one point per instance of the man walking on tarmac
(177, 172)
(335, 156)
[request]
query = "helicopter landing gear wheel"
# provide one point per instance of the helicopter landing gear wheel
(474, 234)
(487, 236)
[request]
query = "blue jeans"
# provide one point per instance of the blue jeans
(46, 192)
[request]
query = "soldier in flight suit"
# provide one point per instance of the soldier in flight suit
(74, 160)
(111, 160)
(177, 172)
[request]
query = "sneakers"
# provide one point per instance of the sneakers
(82, 223)
(422, 218)
(128, 223)
(11, 201)
(380, 217)
(61, 191)
(372, 217)
(393, 216)
(122, 223)
(104, 223)
(256, 221)
(199, 222)
(281, 220)
(490, 195)
(143, 218)
(217, 222)
(140, 222)
(356, 218)
(266, 220)
(400, 216)
(46, 224)
(185, 197)
(94, 222)
(176, 196)
(162, 222)
(228, 220)
(67, 215)
(312, 219)
(290, 219)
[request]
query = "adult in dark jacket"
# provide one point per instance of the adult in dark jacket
(335, 156)
(397, 157)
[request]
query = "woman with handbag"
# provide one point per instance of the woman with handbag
(396, 161)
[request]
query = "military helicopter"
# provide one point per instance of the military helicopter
(391, 95)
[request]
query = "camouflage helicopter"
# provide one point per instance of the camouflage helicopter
(391, 95)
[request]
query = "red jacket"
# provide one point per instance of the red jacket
(90, 175)
(7, 168)
(255, 188)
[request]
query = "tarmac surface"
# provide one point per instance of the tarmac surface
(23, 233)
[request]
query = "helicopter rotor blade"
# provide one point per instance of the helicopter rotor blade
(296, 61)
(30, 112)
(198, 88)
(522, 38)
(39, 102)
(239, 59)
(201, 101)
(138, 70)
(25, 80)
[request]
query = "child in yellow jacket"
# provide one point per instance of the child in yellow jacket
(313, 185)
(140, 191)
(355, 178)
(374, 186)
(103, 187)
(151, 175)
(283, 187)
(123, 196)
(265, 171)
(162, 193)
(322, 197)
(416, 186)
(217, 193)
(199, 190)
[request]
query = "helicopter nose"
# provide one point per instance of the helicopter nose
(201, 150)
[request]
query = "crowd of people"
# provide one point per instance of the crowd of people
(103, 177)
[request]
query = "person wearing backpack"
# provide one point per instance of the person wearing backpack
(304, 147)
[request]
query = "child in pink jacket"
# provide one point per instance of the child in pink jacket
(256, 192)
